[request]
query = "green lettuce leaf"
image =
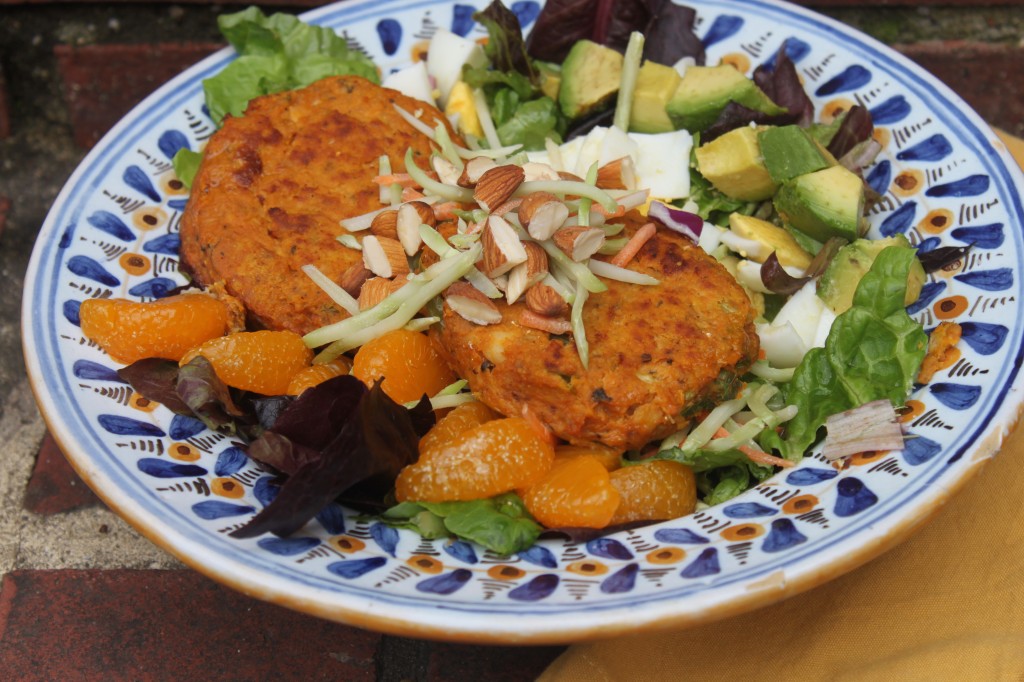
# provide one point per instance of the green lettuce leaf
(277, 53)
(186, 165)
(872, 352)
(721, 475)
(532, 123)
(500, 523)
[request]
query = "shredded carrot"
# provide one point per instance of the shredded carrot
(634, 245)
(552, 325)
(761, 355)
(617, 213)
(539, 427)
(755, 455)
(410, 194)
(402, 179)
(446, 210)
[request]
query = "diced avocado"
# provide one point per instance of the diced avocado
(781, 242)
(655, 85)
(840, 279)
(733, 164)
(705, 90)
(590, 78)
(823, 204)
(550, 78)
(789, 151)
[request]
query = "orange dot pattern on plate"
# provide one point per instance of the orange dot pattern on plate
(913, 409)
(654, 491)
(737, 60)
(609, 458)
(937, 221)
(166, 328)
(170, 184)
(227, 487)
(950, 307)
(408, 362)
(666, 555)
(882, 136)
(425, 564)
(744, 531)
(311, 376)
(134, 263)
(142, 403)
(835, 108)
(149, 218)
(505, 572)
(869, 457)
(484, 461)
(800, 504)
(263, 362)
(908, 183)
(576, 493)
(462, 418)
(346, 544)
(587, 567)
(183, 452)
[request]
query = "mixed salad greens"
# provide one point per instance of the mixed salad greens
(341, 440)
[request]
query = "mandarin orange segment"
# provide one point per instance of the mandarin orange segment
(262, 362)
(408, 362)
(462, 418)
(576, 493)
(654, 491)
(483, 461)
(308, 377)
(610, 458)
(165, 328)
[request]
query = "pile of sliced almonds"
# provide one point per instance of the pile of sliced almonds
(537, 228)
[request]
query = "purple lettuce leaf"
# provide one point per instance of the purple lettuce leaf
(505, 46)
(156, 380)
(855, 128)
(782, 85)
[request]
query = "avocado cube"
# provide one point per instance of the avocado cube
(655, 85)
(590, 78)
(550, 78)
(786, 249)
(823, 204)
(838, 283)
(705, 90)
(733, 164)
(789, 151)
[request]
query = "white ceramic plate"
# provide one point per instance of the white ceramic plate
(945, 179)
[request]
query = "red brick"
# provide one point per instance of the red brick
(103, 82)
(5, 208)
(54, 486)
(986, 76)
(164, 625)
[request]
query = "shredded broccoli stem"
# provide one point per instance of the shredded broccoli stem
(706, 430)
(448, 149)
(421, 324)
(579, 333)
(612, 229)
(763, 370)
(566, 293)
(583, 215)
(612, 246)
(578, 271)
(627, 83)
(389, 194)
(437, 243)
(740, 436)
(483, 112)
(449, 192)
(600, 267)
(331, 288)
(564, 187)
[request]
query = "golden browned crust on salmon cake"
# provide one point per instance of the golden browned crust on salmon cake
(659, 355)
(274, 183)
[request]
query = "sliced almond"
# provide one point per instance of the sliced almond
(385, 224)
(475, 168)
(617, 174)
(571, 177)
(470, 304)
(579, 243)
(352, 280)
(496, 186)
(545, 301)
(534, 170)
(551, 325)
(407, 226)
(445, 169)
(541, 213)
(502, 248)
(526, 275)
(384, 257)
(376, 289)
(507, 207)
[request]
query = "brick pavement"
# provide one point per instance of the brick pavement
(74, 574)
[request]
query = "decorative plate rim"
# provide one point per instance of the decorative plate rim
(456, 622)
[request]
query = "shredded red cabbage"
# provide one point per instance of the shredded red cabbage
(683, 222)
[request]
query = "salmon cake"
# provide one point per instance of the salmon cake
(274, 183)
(659, 355)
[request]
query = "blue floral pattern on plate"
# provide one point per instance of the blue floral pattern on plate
(942, 179)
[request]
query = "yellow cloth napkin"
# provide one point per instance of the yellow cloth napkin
(948, 604)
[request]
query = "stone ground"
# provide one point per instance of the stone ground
(83, 596)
